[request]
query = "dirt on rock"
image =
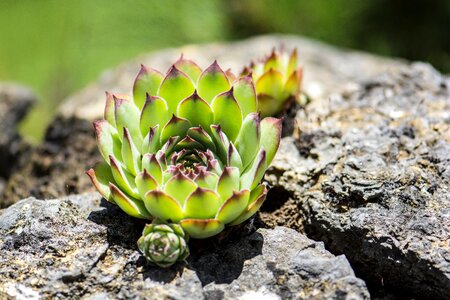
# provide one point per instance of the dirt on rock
(56, 167)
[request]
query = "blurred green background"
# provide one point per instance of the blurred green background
(58, 46)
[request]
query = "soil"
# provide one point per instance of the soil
(56, 167)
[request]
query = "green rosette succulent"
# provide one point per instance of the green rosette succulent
(163, 244)
(278, 81)
(188, 149)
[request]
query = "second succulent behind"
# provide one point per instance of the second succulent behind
(278, 81)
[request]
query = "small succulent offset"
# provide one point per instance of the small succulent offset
(163, 244)
(278, 80)
(188, 151)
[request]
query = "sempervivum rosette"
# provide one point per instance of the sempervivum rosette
(188, 149)
(163, 244)
(278, 80)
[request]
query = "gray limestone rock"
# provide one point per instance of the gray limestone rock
(370, 170)
(81, 247)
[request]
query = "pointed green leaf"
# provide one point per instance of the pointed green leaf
(155, 112)
(212, 82)
(162, 206)
(215, 166)
(123, 179)
(101, 176)
(270, 137)
(257, 192)
(161, 158)
(107, 140)
(196, 110)
(248, 138)
(189, 67)
(145, 183)
(292, 64)
(189, 143)
(202, 229)
(201, 136)
(132, 207)
(147, 82)
(151, 164)
(252, 177)
(110, 114)
(221, 141)
(293, 83)
(167, 148)
(150, 143)
(271, 83)
(245, 94)
(207, 180)
(127, 116)
(179, 187)
(227, 114)
(230, 75)
(251, 210)
(233, 158)
(175, 87)
(175, 127)
(202, 204)
(271, 62)
(269, 106)
(233, 207)
(228, 182)
(131, 156)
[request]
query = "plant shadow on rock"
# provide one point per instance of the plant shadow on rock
(122, 230)
(219, 259)
(223, 261)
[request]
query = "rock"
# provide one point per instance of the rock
(371, 177)
(56, 167)
(327, 69)
(15, 101)
(79, 247)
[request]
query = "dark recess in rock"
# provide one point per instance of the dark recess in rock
(57, 166)
(15, 102)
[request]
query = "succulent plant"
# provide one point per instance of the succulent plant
(188, 149)
(278, 81)
(163, 244)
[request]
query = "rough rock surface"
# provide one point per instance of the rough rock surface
(80, 247)
(56, 167)
(15, 101)
(370, 169)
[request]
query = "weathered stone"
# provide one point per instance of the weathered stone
(371, 176)
(79, 247)
(15, 101)
(56, 167)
